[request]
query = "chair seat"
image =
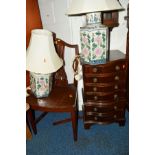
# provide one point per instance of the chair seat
(60, 99)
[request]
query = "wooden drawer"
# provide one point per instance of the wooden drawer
(101, 96)
(103, 117)
(93, 87)
(109, 67)
(104, 78)
(104, 108)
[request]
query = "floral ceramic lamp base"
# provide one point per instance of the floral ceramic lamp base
(41, 84)
(94, 40)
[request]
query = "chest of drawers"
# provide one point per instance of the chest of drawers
(104, 93)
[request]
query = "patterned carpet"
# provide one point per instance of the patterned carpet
(98, 140)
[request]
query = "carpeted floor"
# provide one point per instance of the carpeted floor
(98, 140)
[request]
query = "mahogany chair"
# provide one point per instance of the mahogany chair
(63, 97)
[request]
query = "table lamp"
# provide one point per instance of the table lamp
(94, 36)
(41, 60)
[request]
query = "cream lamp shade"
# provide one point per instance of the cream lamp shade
(88, 6)
(41, 56)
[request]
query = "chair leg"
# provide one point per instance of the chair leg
(65, 120)
(28, 133)
(32, 121)
(62, 121)
(74, 123)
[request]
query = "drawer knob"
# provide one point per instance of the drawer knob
(115, 96)
(94, 79)
(116, 87)
(116, 77)
(100, 114)
(123, 66)
(115, 116)
(117, 68)
(95, 97)
(94, 89)
(115, 107)
(95, 118)
(94, 69)
(95, 109)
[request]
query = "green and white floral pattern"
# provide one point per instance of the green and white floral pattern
(93, 18)
(41, 84)
(94, 45)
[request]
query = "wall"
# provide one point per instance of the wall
(118, 35)
(68, 28)
(33, 21)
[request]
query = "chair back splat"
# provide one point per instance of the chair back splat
(60, 77)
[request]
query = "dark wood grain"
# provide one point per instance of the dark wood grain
(104, 92)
